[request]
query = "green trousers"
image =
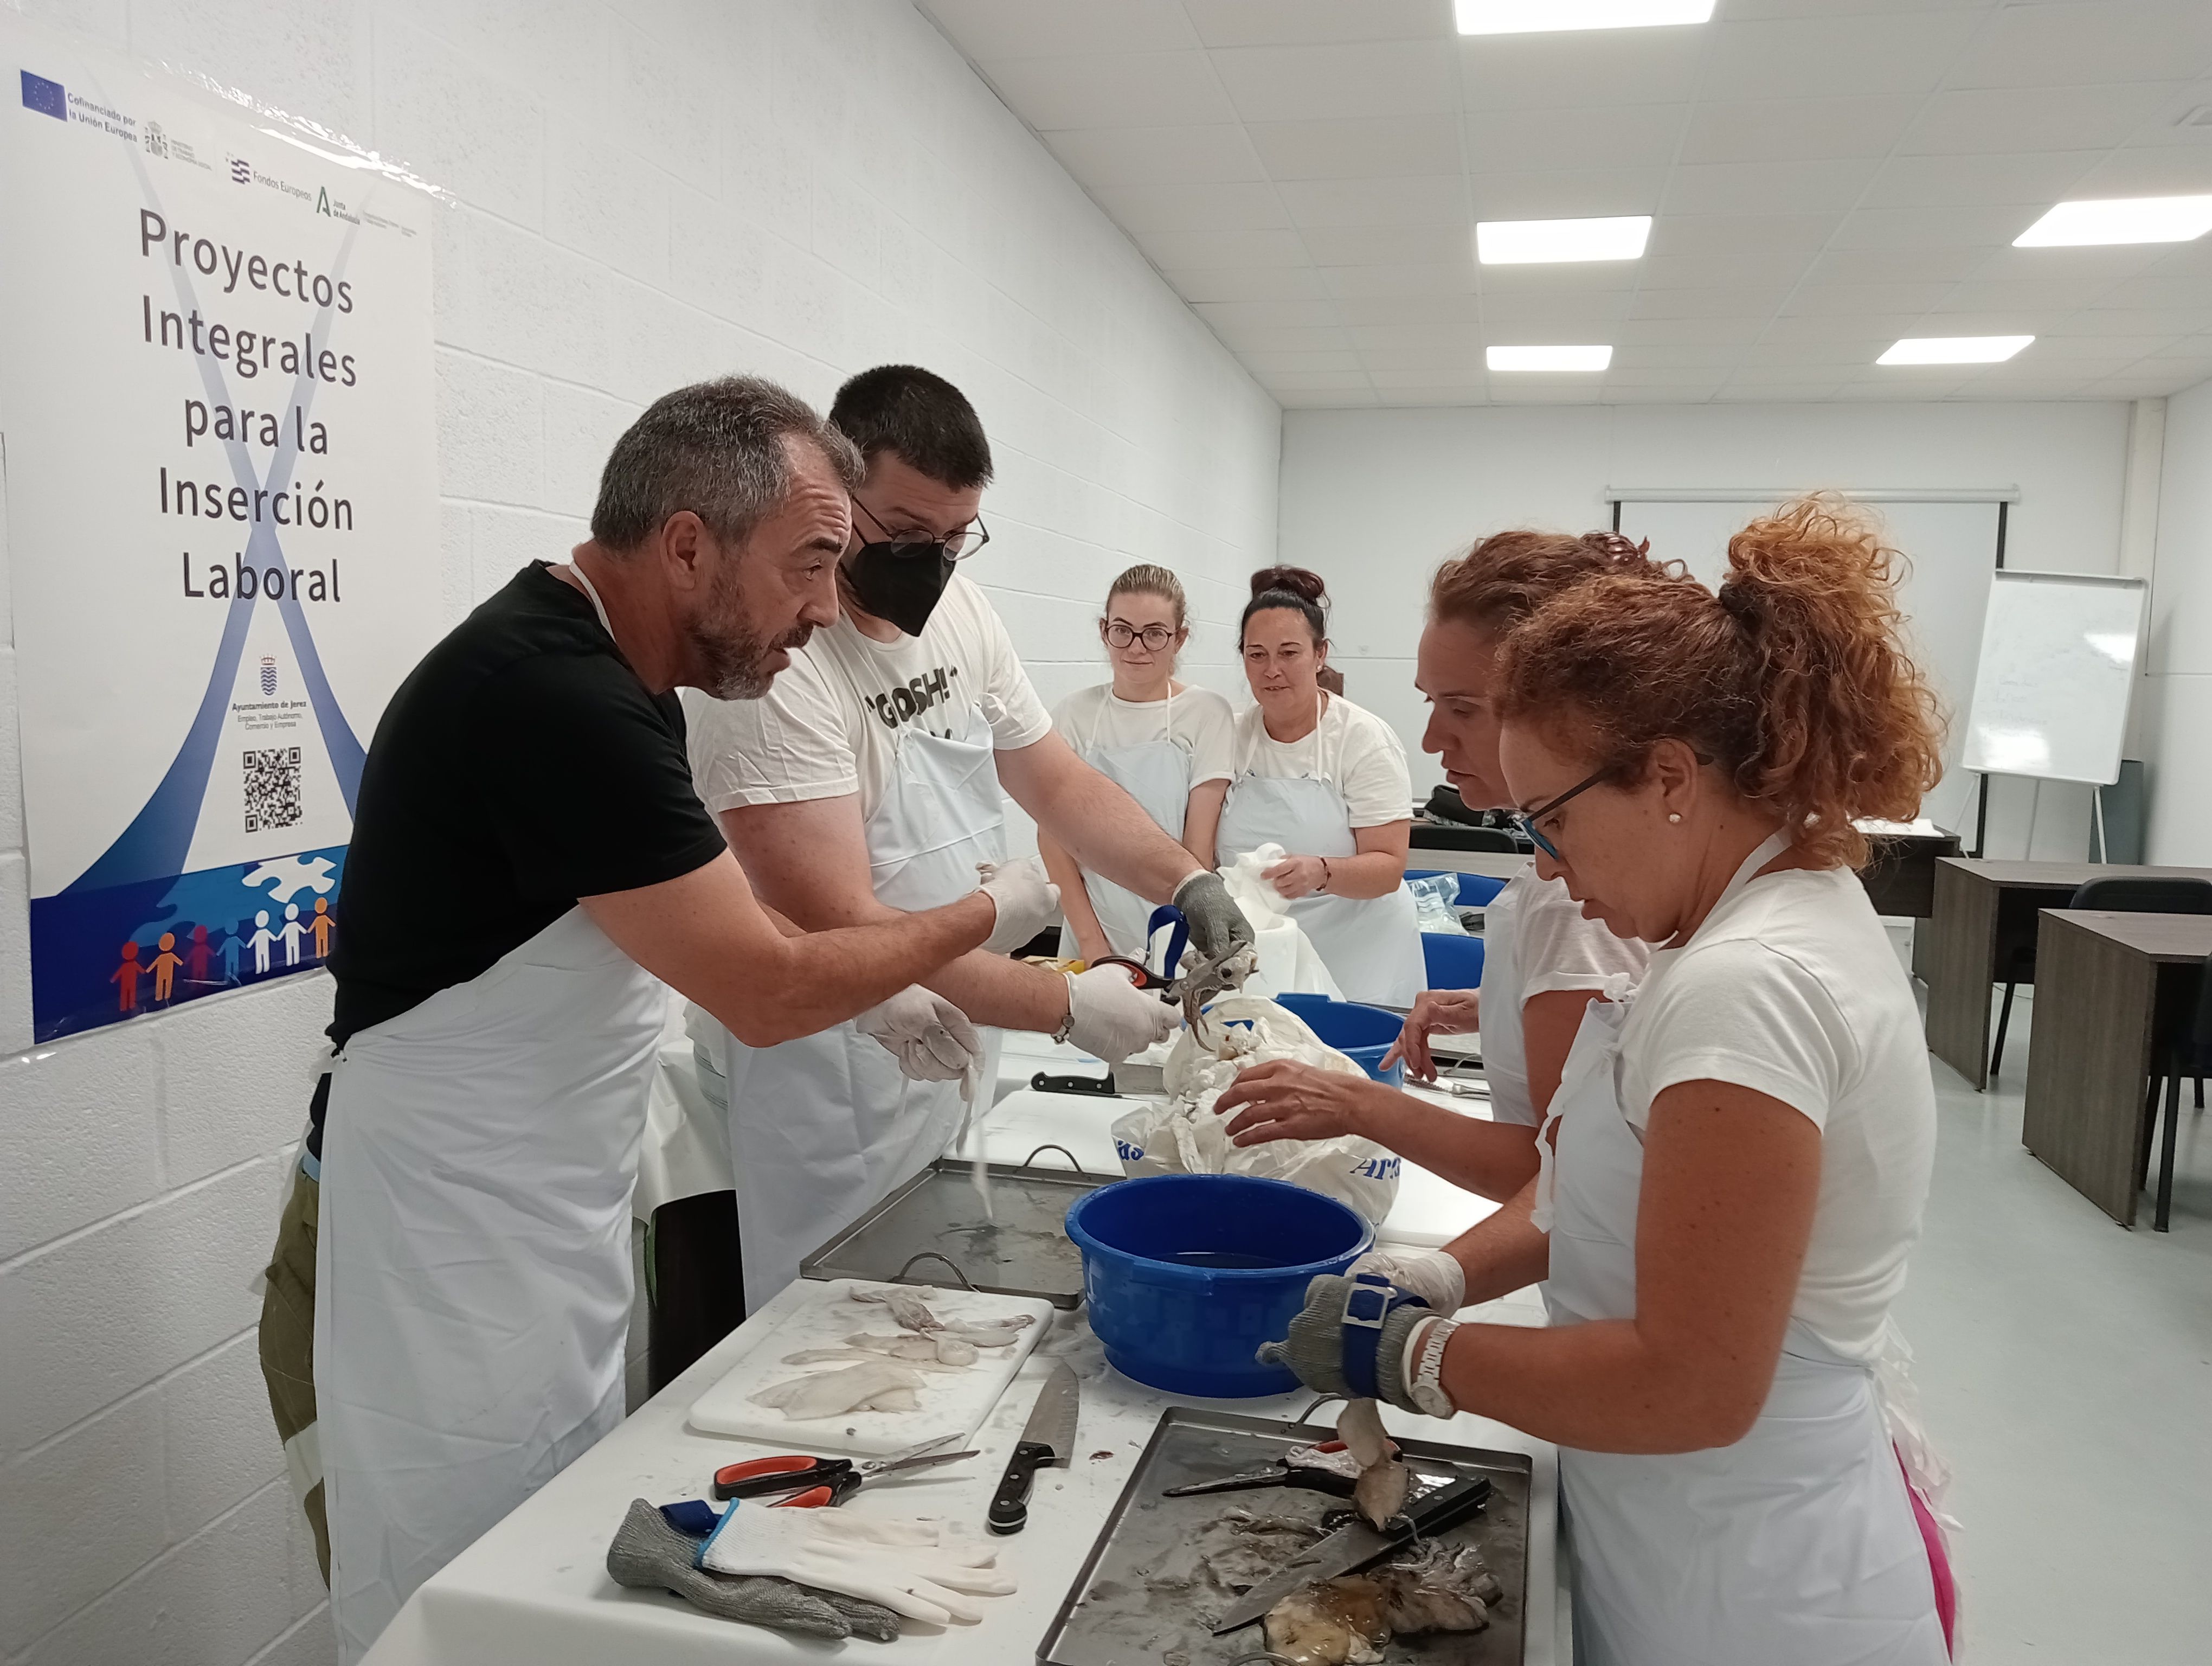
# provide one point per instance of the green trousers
(288, 1355)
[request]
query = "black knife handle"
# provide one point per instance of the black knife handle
(1010, 1504)
(1102, 1085)
(1443, 1510)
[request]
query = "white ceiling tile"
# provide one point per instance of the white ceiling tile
(1431, 362)
(1896, 265)
(1893, 54)
(1357, 149)
(1225, 315)
(1298, 399)
(1416, 338)
(1051, 28)
(1928, 228)
(1570, 313)
(1277, 22)
(2034, 178)
(1429, 376)
(1145, 208)
(1270, 339)
(1431, 311)
(1710, 355)
(1841, 336)
(1694, 271)
(2116, 351)
(1740, 234)
(1431, 200)
(2109, 41)
(2102, 320)
(1383, 281)
(2171, 171)
(1798, 128)
(1273, 364)
(1581, 277)
(1621, 135)
(2110, 264)
(1718, 301)
(1171, 249)
(1245, 284)
(1990, 121)
(1710, 331)
(1768, 187)
(1365, 79)
(1308, 382)
(1382, 246)
(1592, 68)
(1864, 300)
(1104, 157)
(1107, 89)
(1568, 194)
(2156, 292)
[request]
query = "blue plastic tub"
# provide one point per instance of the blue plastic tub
(1186, 1274)
(1453, 958)
(1362, 1034)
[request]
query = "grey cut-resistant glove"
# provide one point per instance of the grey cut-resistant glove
(1218, 926)
(1363, 1359)
(648, 1554)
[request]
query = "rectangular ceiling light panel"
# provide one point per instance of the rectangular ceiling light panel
(2120, 220)
(1548, 358)
(1533, 242)
(1542, 16)
(1954, 350)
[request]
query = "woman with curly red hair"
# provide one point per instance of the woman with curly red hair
(1736, 1159)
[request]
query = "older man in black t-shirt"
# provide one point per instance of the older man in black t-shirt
(528, 860)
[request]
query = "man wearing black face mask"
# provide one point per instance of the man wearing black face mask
(868, 781)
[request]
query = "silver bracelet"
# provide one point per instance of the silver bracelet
(1067, 1024)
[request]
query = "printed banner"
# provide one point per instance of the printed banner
(217, 424)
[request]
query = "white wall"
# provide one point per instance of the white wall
(648, 194)
(1374, 500)
(2176, 697)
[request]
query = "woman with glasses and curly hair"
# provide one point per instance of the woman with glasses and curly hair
(1164, 742)
(1736, 1160)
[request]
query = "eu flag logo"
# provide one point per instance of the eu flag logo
(45, 96)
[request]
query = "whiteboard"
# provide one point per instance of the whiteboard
(2058, 662)
(1950, 549)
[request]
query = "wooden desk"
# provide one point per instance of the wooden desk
(1960, 963)
(2098, 980)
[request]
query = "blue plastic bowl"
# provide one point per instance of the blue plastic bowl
(1362, 1034)
(1186, 1274)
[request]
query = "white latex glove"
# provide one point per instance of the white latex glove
(1027, 902)
(1431, 1274)
(1112, 1018)
(931, 1037)
(912, 1567)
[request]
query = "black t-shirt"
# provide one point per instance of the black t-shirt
(521, 766)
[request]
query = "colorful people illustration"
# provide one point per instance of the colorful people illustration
(292, 931)
(126, 978)
(196, 956)
(164, 967)
(321, 925)
(233, 946)
(262, 938)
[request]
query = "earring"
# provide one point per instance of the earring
(1673, 815)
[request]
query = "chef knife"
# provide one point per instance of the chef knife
(1353, 1546)
(1048, 1437)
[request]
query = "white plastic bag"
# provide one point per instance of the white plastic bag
(1184, 1135)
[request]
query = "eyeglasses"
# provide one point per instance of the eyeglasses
(1524, 821)
(1154, 637)
(953, 546)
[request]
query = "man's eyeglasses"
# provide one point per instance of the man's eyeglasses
(1525, 820)
(1154, 637)
(953, 546)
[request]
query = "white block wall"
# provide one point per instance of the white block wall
(2176, 698)
(648, 194)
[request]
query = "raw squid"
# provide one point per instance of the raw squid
(853, 1356)
(907, 1310)
(1346, 1623)
(1339, 1623)
(833, 1393)
(943, 1347)
(1380, 1493)
(999, 1333)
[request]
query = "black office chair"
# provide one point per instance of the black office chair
(2126, 894)
(2181, 1045)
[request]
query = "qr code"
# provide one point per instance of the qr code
(272, 788)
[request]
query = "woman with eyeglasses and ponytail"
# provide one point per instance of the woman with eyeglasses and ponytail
(1325, 781)
(1165, 742)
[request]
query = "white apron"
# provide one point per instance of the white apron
(1504, 1047)
(823, 1127)
(1371, 945)
(1157, 774)
(1798, 1544)
(472, 1273)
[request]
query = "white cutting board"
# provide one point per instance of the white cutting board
(953, 1404)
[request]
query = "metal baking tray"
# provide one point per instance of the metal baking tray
(1143, 1598)
(932, 1231)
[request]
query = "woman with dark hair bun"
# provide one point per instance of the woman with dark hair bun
(1327, 781)
(1736, 1160)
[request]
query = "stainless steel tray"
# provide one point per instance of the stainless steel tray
(932, 1230)
(1143, 1599)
